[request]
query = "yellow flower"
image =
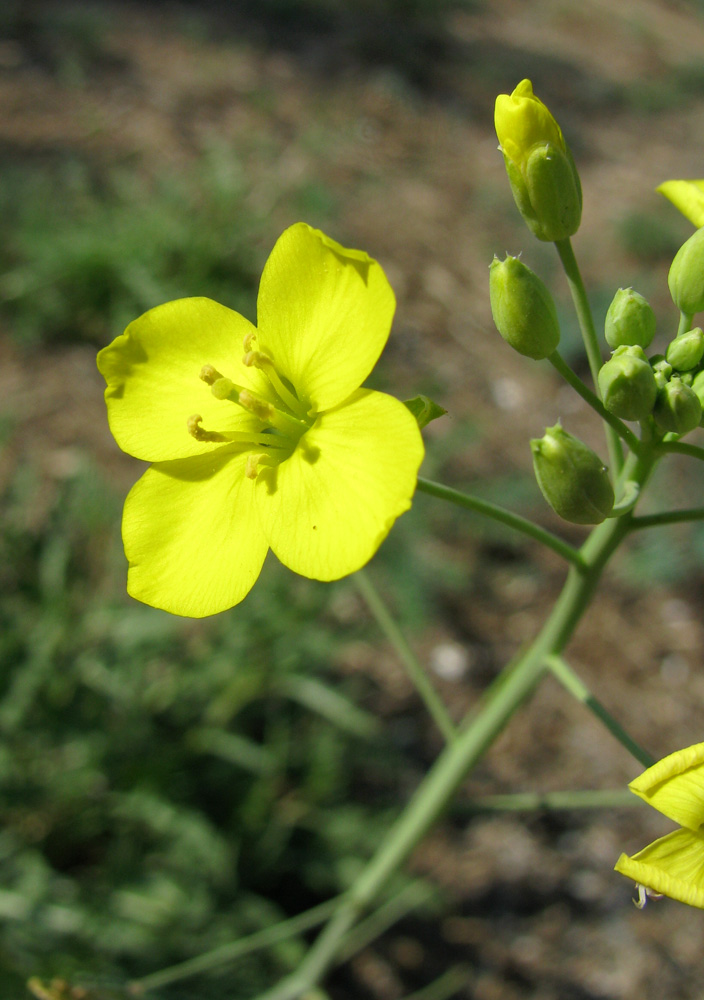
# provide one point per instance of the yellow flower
(260, 437)
(688, 196)
(673, 865)
(540, 168)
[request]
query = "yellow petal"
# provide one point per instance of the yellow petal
(326, 510)
(323, 314)
(521, 121)
(153, 377)
(672, 865)
(192, 536)
(675, 786)
(688, 196)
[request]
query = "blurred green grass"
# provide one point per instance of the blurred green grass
(166, 785)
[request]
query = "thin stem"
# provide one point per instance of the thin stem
(410, 661)
(445, 986)
(412, 896)
(685, 324)
(591, 344)
(605, 798)
(569, 680)
(504, 696)
(681, 448)
(667, 517)
(560, 365)
(227, 953)
(504, 516)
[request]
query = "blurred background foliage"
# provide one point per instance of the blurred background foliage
(168, 786)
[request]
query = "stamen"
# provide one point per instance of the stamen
(265, 439)
(199, 433)
(644, 894)
(262, 361)
(268, 413)
(249, 339)
(259, 407)
(251, 469)
(210, 374)
(225, 388)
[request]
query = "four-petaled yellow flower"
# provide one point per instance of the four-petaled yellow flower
(688, 196)
(673, 865)
(260, 437)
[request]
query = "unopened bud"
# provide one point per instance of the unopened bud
(677, 409)
(523, 309)
(572, 478)
(627, 384)
(662, 369)
(540, 168)
(686, 277)
(629, 320)
(686, 350)
(698, 390)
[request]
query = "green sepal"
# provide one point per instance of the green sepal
(687, 349)
(627, 384)
(677, 409)
(554, 191)
(629, 321)
(522, 308)
(424, 410)
(572, 478)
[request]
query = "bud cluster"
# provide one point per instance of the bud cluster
(670, 387)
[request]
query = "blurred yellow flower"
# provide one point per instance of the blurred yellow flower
(283, 451)
(688, 197)
(673, 865)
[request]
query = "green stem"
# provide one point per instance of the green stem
(445, 986)
(410, 661)
(596, 404)
(412, 896)
(667, 517)
(681, 448)
(605, 798)
(576, 687)
(685, 324)
(591, 344)
(508, 691)
(506, 517)
(227, 953)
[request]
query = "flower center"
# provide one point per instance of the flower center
(283, 419)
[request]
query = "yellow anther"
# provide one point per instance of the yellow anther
(249, 339)
(250, 469)
(210, 374)
(199, 433)
(259, 407)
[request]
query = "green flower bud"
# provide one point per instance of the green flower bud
(523, 309)
(662, 369)
(629, 320)
(698, 390)
(540, 168)
(686, 277)
(686, 350)
(627, 384)
(572, 478)
(677, 407)
(686, 378)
